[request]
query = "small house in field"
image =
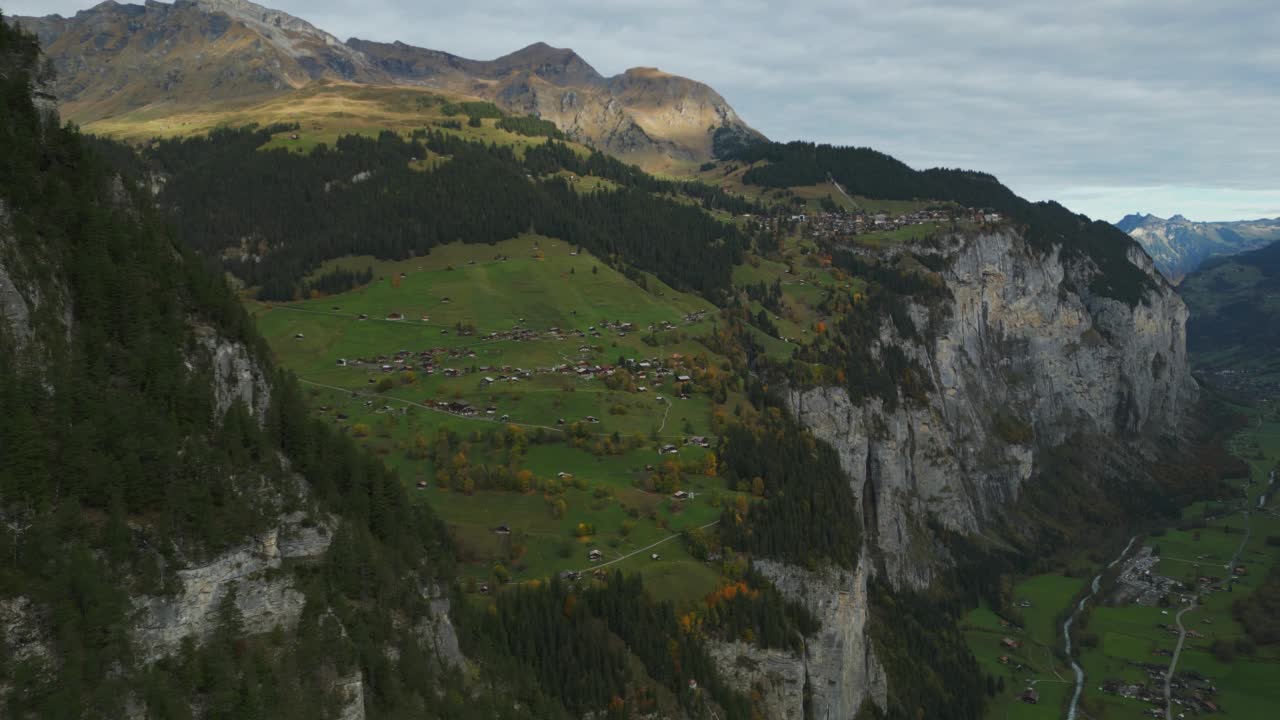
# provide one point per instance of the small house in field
(595, 555)
(422, 484)
(1031, 696)
(1004, 659)
(461, 408)
(502, 530)
(681, 495)
(1010, 643)
(395, 316)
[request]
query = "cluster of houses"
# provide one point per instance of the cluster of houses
(1189, 690)
(430, 361)
(1139, 583)
(829, 225)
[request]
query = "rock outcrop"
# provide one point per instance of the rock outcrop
(251, 573)
(838, 671)
(644, 115)
(236, 377)
(28, 300)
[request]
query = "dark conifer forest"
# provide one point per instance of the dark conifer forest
(286, 213)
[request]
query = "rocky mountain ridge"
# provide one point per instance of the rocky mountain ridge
(116, 58)
(1179, 246)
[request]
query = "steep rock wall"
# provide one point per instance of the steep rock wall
(1024, 340)
(266, 598)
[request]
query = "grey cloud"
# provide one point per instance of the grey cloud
(1146, 98)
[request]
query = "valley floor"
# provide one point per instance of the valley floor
(1127, 642)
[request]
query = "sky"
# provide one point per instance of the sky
(1108, 106)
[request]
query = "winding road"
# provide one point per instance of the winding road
(1173, 662)
(1182, 631)
(633, 553)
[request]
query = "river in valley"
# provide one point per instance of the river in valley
(1066, 630)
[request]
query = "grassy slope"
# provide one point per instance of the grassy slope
(545, 291)
(325, 112)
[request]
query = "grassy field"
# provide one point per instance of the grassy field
(324, 112)
(536, 304)
(1032, 664)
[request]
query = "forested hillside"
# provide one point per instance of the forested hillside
(146, 441)
(123, 461)
(285, 212)
(1234, 332)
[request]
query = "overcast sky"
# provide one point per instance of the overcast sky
(1109, 106)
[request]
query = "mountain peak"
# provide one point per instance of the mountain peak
(1133, 221)
(559, 66)
(114, 58)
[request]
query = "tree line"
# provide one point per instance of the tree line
(869, 173)
(286, 213)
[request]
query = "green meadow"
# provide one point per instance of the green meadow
(569, 309)
(1034, 663)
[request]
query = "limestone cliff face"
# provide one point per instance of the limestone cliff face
(838, 670)
(1025, 342)
(1022, 339)
(250, 574)
(236, 377)
(28, 302)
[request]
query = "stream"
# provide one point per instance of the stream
(1066, 630)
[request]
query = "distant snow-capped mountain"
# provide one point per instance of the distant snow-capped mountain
(1179, 245)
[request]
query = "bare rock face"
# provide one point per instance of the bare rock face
(838, 669)
(14, 310)
(439, 632)
(236, 376)
(22, 634)
(1022, 342)
(351, 695)
(264, 595)
(25, 301)
(644, 115)
(777, 675)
